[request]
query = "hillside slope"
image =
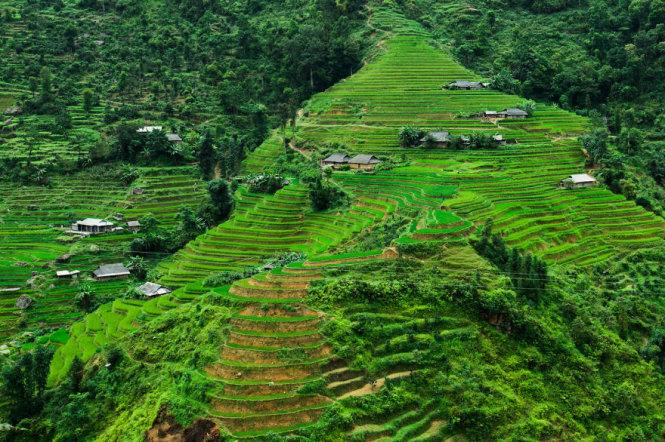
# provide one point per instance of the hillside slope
(545, 323)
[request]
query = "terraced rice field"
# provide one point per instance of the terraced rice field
(32, 222)
(516, 184)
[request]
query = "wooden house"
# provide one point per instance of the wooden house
(439, 139)
(335, 160)
(363, 161)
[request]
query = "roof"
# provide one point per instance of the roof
(582, 178)
(497, 137)
(514, 111)
(150, 289)
(490, 112)
(60, 273)
(439, 137)
(173, 137)
(111, 270)
(95, 222)
(148, 128)
(337, 158)
(364, 159)
(133, 224)
(464, 83)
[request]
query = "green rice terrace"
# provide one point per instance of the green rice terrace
(401, 314)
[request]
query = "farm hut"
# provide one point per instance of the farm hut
(440, 139)
(134, 225)
(499, 139)
(511, 113)
(152, 290)
(577, 181)
(464, 85)
(335, 160)
(174, 138)
(67, 274)
(137, 191)
(108, 272)
(146, 129)
(363, 161)
(491, 114)
(92, 225)
(268, 267)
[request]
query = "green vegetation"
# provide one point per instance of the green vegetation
(459, 290)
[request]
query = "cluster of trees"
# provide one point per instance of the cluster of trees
(528, 272)
(191, 223)
(325, 195)
(261, 63)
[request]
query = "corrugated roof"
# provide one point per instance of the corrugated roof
(364, 159)
(439, 137)
(514, 112)
(94, 222)
(337, 158)
(111, 270)
(133, 224)
(150, 289)
(582, 178)
(465, 83)
(173, 137)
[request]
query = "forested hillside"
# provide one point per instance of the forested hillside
(367, 221)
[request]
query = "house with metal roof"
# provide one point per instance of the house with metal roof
(512, 112)
(67, 273)
(146, 129)
(152, 290)
(108, 272)
(174, 138)
(577, 181)
(438, 139)
(335, 160)
(363, 161)
(92, 225)
(464, 85)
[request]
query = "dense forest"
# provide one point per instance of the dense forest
(413, 291)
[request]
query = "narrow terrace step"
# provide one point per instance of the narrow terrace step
(252, 356)
(279, 325)
(274, 340)
(262, 373)
(254, 425)
(230, 407)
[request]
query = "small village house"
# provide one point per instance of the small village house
(152, 290)
(577, 181)
(146, 129)
(512, 112)
(134, 226)
(174, 138)
(335, 160)
(363, 161)
(464, 85)
(109, 272)
(509, 113)
(63, 274)
(92, 225)
(499, 139)
(439, 139)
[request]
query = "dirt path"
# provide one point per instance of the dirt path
(373, 388)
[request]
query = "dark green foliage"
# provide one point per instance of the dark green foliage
(24, 383)
(528, 272)
(325, 195)
(206, 155)
(265, 182)
(409, 136)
